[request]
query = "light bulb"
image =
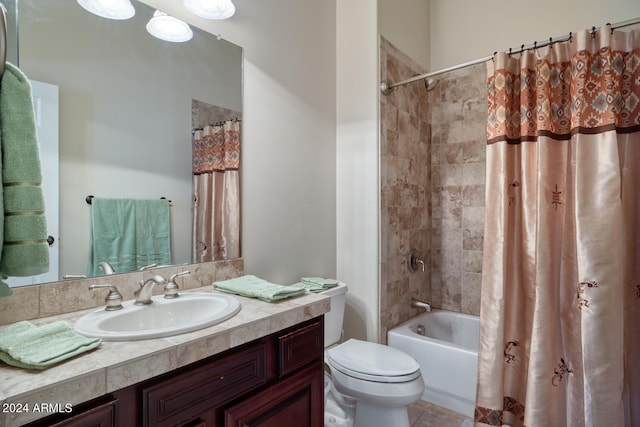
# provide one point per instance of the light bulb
(110, 9)
(211, 9)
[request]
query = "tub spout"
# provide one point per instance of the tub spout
(416, 303)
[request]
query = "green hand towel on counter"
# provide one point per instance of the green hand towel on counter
(318, 284)
(25, 345)
(254, 287)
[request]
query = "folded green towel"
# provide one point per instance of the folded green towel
(318, 284)
(5, 290)
(25, 345)
(254, 287)
(23, 228)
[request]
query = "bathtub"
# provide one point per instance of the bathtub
(445, 344)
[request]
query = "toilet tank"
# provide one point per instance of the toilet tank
(333, 319)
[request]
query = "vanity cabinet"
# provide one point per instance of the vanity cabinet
(273, 381)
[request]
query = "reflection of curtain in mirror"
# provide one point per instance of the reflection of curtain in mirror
(216, 192)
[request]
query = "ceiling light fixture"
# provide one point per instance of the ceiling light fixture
(211, 9)
(110, 9)
(168, 28)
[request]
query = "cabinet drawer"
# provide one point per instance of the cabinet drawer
(101, 416)
(300, 346)
(186, 396)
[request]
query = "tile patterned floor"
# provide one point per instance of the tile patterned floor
(425, 414)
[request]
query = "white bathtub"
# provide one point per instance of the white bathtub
(445, 344)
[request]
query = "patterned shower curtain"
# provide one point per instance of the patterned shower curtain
(216, 194)
(560, 312)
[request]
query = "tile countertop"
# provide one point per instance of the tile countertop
(115, 365)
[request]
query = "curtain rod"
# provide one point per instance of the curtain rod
(386, 87)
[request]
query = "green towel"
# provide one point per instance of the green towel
(24, 345)
(254, 287)
(129, 234)
(23, 228)
(318, 284)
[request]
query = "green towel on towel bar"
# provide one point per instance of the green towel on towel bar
(23, 227)
(254, 287)
(25, 345)
(129, 234)
(318, 284)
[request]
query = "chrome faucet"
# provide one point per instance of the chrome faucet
(106, 267)
(143, 295)
(416, 303)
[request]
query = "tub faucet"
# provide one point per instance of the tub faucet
(416, 303)
(143, 295)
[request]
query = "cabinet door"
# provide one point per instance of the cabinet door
(296, 401)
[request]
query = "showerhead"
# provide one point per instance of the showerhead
(430, 83)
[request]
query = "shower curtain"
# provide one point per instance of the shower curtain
(216, 192)
(560, 311)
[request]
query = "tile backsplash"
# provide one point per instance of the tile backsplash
(50, 299)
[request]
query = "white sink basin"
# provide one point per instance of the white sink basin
(163, 318)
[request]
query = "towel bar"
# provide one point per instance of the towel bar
(90, 197)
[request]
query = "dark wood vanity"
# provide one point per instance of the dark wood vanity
(276, 380)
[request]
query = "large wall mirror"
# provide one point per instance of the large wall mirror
(127, 106)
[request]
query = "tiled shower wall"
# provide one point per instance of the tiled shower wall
(432, 169)
(458, 137)
(405, 202)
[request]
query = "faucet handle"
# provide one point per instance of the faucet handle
(113, 301)
(146, 267)
(171, 288)
(415, 261)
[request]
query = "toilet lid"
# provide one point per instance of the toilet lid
(373, 362)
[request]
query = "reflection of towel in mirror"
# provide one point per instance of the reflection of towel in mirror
(23, 228)
(129, 234)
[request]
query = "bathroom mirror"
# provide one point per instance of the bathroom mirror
(125, 111)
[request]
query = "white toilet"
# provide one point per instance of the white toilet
(370, 384)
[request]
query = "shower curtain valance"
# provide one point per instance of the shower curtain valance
(216, 148)
(586, 89)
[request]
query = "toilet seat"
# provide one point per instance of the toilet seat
(373, 362)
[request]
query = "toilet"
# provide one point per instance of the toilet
(367, 384)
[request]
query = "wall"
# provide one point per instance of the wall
(432, 174)
(357, 165)
(405, 192)
(459, 33)
(458, 118)
(405, 24)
